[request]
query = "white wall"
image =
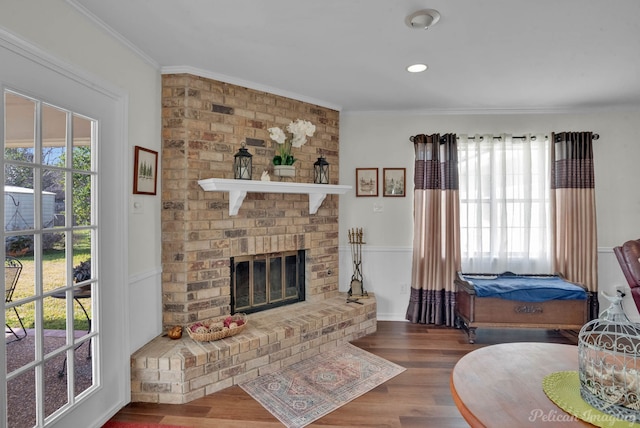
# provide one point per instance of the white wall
(378, 140)
(59, 29)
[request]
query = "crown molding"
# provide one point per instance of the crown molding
(113, 33)
(492, 111)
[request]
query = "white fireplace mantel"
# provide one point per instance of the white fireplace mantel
(238, 189)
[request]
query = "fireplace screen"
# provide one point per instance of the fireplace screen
(265, 281)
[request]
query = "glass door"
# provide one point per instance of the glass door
(65, 359)
(50, 231)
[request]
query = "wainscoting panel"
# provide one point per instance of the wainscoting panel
(386, 271)
(145, 308)
(611, 278)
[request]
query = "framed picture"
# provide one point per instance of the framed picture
(394, 181)
(366, 181)
(145, 171)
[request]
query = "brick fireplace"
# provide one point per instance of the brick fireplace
(204, 123)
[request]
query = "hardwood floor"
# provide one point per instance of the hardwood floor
(418, 397)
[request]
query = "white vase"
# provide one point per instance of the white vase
(284, 170)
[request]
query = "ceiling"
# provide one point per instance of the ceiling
(351, 55)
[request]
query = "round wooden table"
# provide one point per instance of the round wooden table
(501, 385)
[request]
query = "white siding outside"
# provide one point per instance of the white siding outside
(18, 208)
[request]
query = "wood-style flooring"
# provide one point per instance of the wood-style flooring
(418, 397)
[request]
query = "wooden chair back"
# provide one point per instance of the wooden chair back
(628, 255)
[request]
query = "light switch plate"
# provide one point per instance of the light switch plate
(137, 205)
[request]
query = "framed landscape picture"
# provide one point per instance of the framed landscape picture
(366, 181)
(145, 171)
(394, 181)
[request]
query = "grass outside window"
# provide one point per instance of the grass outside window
(55, 271)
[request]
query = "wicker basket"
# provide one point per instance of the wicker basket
(216, 329)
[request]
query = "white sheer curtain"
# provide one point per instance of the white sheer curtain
(505, 219)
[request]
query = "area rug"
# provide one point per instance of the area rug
(304, 392)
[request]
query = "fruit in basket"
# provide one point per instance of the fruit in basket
(175, 332)
(193, 327)
(227, 321)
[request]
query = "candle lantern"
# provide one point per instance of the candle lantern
(321, 171)
(242, 164)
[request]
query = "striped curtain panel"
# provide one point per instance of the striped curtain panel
(436, 244)
(575, 251)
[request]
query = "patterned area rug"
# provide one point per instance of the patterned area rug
(304, 392)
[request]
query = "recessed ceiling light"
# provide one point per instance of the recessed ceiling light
(422, 19)
(417, 68)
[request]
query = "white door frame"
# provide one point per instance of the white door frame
(34, 72)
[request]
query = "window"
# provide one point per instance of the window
(504, 204)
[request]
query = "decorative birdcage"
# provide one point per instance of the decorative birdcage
(608, 360)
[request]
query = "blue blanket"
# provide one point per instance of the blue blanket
(525, 288)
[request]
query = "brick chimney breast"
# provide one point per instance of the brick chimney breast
(204, 123)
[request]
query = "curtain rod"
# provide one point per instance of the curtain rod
(522, 137)
(519, 137)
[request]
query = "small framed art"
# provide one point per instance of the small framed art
(145, 171)
(394, 181)
(366, 181)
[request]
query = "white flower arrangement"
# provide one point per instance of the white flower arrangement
(300, 130)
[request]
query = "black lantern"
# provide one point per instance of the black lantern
(321, 171)
(242, 164)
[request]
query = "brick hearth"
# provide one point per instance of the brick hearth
(204, 124)
(178, 371)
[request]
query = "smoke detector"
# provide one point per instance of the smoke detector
(422, 19)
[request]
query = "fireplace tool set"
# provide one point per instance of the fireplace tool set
(356, 289)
